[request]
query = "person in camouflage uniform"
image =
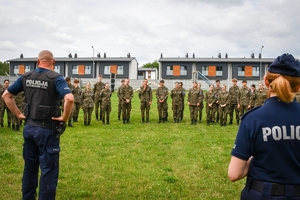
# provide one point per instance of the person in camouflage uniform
(217, 90)
(260, 95)
(145, 95)
(224, 104)
(76, 93)
(233, 96)
(183, 92)
(68, 80)
(97, 88)
(87, 103)
(120, 99)
(15, 122)
(244, 98)
(252, 94)
(297, 96)
(201, 106)
(162, 101)
(3, 107)
(126, 95)
(210, 99)
(176, 95)
(194, 100)
(105, 96)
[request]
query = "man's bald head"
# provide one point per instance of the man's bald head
(45, 57)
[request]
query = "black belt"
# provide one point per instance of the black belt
(41, 124)
(277, 189)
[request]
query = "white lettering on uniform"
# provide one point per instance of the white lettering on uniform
(37, 84)
(281, 133)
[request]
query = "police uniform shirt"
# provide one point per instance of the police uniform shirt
(60, 84)
(274, 142)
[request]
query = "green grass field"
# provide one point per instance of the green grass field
(133, 161)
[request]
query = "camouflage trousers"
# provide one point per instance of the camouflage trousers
(194, 112)
(216, 112)
(145, 107)
(98, 104)
(106, 109)
(119, 108)
(223, 111)
(76, 108)
(126, 108)
(8, 114)
(243, 110)
(177, 110)
(87, 114)
(199, 112)
(210, 112)
(162, 110)
(234, 108)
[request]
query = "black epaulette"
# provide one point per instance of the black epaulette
(250, 111)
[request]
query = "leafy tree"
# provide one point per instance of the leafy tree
(154, 64)
(4, 67)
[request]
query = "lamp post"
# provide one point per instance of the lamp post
(260, 67)
(93, 62)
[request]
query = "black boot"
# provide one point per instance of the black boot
(119, 118)
(124, 120)
(85, 123)
(1, 125)
(17, 127)
(147, 120)
(13, 127)
(237, 122)
(8, 125)
(192, 121)
(175, 120)
(164, 120)
(230, 122)
(107, 121)
(208, 122)
(195, 121)
(97, 118)
(103, 120)
(143, 120)
(159, 121)
(224, 124)
(69, 123)
(128, 121)
(89, 123)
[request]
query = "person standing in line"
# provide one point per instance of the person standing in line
(183, 93)
(126, 95)
(252, 95)
(259, 96)
(194, 100)
(145, 95)
(210, 99)
(43, 90)
(201, 106)
(15, 122)
(267, 145)
(97, 100)
(76, 93)
(162, 101)
(105, 95)
(217, 90)
(244, 99)
(87, 103)
(233, 96)
(120, 99)
(224, 101)
(68, 79)
(176, 95)
(4, 107)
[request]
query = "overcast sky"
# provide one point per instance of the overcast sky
(145, 29)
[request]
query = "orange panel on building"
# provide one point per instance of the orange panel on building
(212, 70)
(21, 69)
(113, 69)
(81, 69)
(248, 71)
(176, 70)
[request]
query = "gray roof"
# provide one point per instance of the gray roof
(67, 59)
(270, 60)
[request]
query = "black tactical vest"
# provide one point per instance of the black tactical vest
(41, 99)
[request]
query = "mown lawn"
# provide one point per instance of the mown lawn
(133, 161)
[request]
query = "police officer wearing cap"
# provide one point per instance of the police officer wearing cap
(267, 146)
(43, 90)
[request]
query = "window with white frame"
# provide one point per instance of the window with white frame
(87, 69)
(255, 71)
(27, 68)
(241, 70)
(120, 70)
(106, 69)
(16, 69)
(169, 70)
(205, 70)
(183, 70)
(219, 71)
(57, 68)
(74, 69)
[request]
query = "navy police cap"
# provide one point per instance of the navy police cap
(285, 64)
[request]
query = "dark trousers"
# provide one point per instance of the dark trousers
(41, 149)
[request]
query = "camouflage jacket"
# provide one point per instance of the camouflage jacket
(126, 93)
(194, 96)
(234, 94)
(77, 93)
(177, 96)
(162, 93)
(87, 99)
(105, 95)
(210, 97)
(258, 98)
(223, 98)
(97, 89)
(19, 99)
(145, 95)
(244, 96)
